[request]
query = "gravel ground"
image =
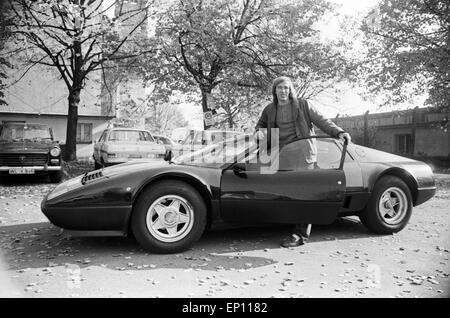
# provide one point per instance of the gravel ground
(341, 260)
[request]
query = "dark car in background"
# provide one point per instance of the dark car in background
(29, 149)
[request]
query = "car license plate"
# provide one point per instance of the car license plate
(21, 171)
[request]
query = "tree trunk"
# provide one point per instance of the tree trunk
(205, 92)
(230, 121)
(70, 153)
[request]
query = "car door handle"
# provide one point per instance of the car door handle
(239, 170)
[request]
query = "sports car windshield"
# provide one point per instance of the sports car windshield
(24, 133)
(220, 153)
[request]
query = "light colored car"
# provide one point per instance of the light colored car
(119, 145)
(197, 139)
(166, 141)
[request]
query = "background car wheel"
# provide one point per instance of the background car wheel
(389, 208)
(56, 177)
(169, 217)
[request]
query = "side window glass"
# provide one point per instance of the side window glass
(148, 136)
(297, 155)
(310, 154)
(329, 154)
(198, 138)
(103, 137)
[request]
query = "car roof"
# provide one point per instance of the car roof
(128, 129)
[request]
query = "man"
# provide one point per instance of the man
(294, 117)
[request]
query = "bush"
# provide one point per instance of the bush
(75, 168)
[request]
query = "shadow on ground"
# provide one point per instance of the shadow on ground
(21, 180)
(39, 245)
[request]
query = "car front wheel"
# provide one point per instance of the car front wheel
(389, 208)
(169, 217)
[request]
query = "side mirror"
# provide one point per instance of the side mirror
(239, 170)
(168, 155)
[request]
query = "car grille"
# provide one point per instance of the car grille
(23, 159)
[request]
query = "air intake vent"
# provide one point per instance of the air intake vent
(89, 176)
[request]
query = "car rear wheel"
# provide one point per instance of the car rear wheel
(169, 217)
(389, 208)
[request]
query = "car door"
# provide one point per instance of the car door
(295, 193)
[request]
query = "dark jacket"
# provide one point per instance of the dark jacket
(305, 116)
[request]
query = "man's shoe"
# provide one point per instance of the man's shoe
(293, 240)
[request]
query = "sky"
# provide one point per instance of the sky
(350, 103)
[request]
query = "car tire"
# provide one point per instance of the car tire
(389, 208)
(56, 177)
(169, 217)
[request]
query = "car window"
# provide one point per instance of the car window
(299, 155)
(25, 133)
(165, 140)
(220, 136)
(222, 153)
(329, 154)
(145, 136)
(189, 137)
(124, 135)
(199, 138)
(103, 136)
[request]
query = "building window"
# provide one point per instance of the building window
(403, 144)
(84, 133)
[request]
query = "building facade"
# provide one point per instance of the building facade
(420, 133)
(39, 95)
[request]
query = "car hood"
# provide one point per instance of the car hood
(131, 166)
(28, 146)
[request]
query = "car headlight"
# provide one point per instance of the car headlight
(55, 152)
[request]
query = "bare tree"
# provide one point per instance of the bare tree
(78, 38)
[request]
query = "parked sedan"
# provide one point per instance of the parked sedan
(198, 139)
(166, 141)
(28, 149)
(119, 145)
(168, 205)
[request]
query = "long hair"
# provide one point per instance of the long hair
(287, 80)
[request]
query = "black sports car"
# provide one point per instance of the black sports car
(167, 205)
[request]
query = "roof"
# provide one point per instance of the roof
(127, 128)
